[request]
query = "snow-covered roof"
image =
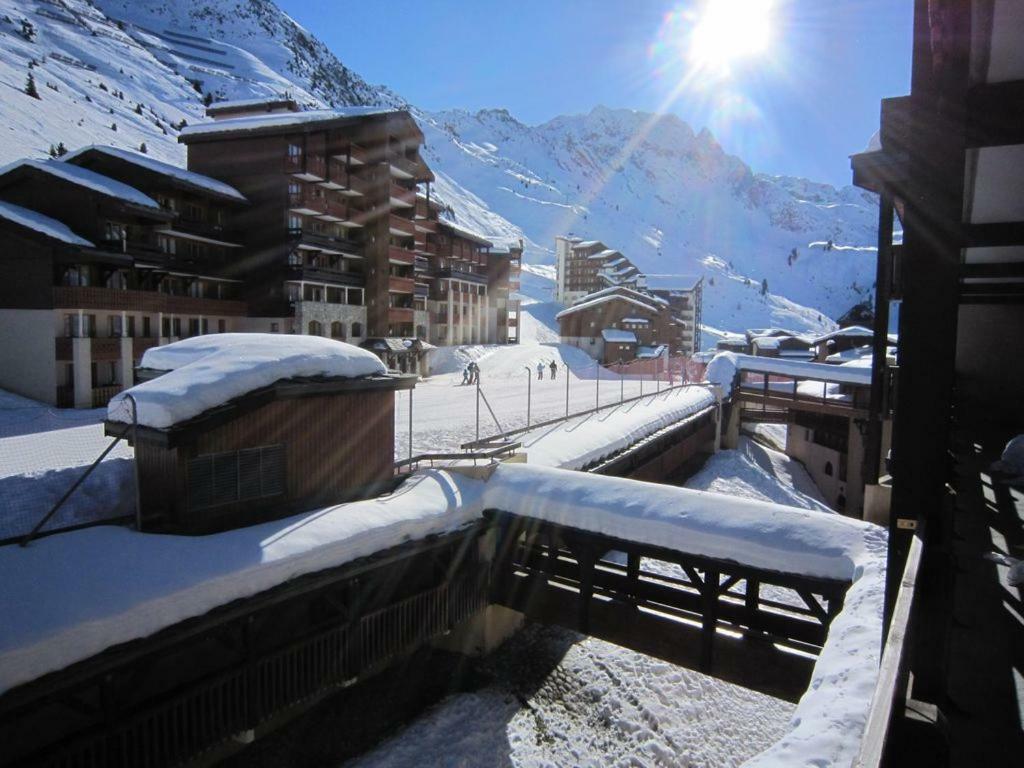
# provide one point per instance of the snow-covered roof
(645, 353)
(723, 368)
(618, 336)
(219, 106)
(464, 232)
(44, 225)
(644, 297)
(83, 177)
(667, 282)
(855, 331)
(208, 371)
(602, 300)
(198, 180)
(281, 120)
(584, 244)
(607, 253)
(643, 320)
(768, 342)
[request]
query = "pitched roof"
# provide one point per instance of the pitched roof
(602, 300)
(189, 178)
(616, 335)
(463, 232)
(44, 225)
(276, 120)
(83, 177)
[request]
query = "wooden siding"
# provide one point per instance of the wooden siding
(337, 448)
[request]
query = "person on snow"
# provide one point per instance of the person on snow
(554, 369)
(467, 374)
(540, 371)
(474, 373)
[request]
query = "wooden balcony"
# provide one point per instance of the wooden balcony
(350, 155)
(325, 242)
(402, 197)
(401, 284)
(401, 227)
(422, 289)
(341, 179)
(307, 203)
(426, 225)
(105, 349)
(338, 209)
(307, 167)
(401, 314)
(401, 166)
(112, 299)
(401, 255)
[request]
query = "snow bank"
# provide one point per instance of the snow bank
(575, 443)
(152, 164)
(207, 371)
(86, 178)
(70, 596)
(44, 225)
(724, 366)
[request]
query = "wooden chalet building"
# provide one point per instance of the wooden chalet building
(101, 267)
(620, 324)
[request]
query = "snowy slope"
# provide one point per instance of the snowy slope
(668, 197)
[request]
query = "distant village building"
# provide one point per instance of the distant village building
(843, 340)
(620, 324)
(588, 269)
(286, 222)
(290, 445)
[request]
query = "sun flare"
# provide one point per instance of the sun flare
(727, 31)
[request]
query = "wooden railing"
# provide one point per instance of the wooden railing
(402, 226)
(74, 297)
(891, 689)
(401, 255)
(398, 284)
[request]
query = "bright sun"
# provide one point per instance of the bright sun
(726, 31)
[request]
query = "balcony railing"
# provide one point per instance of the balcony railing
(327, 275)
(426, 225)
(353, 154)
(400, 284)
(401, 255)
(422, 263)
(401, 165)
(339, 209)
(400, 226)
(73, 297)
(307, 201)
(457, 274)
(101, 395)
(400, 314)
(422, 289)
(402, 197)
(327, 242)
(306, 165)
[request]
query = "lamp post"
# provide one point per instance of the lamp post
(622, 384)
(597, 387)
(567, 390)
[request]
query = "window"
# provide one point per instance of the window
(115, 327)
(168, 244)
(337, 330)
(294, 221)
(192, 212)
(315, 328)
(357, 329)
(828, 468)
(117, 280)
(145, 327)
(194, 328)
(294, 152)
(226, 478)
(114, 231)
(221, 326)
(275, 327)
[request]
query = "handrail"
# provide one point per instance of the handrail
(892, 672)
(521, 430)
(474, 456)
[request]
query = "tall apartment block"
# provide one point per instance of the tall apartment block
(285, 222)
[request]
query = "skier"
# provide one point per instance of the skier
(540, 371)
(474, 373)
(467, 374)
(554, 369)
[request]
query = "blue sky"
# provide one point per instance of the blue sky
(800, 108)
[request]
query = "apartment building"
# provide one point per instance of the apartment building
(101, 267)
(331, 222)
(620, 324)
(586, 266)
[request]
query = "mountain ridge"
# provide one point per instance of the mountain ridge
(127, 72)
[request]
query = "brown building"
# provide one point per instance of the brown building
(99, 269)
(331, 224)
(268, 453)
(586, 266)
(620, 324)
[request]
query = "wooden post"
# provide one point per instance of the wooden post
(709, 609)
(633, 577)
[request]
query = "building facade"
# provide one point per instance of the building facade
(284, 222)
(620, 324)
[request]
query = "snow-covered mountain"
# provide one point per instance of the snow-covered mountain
(128, 72)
